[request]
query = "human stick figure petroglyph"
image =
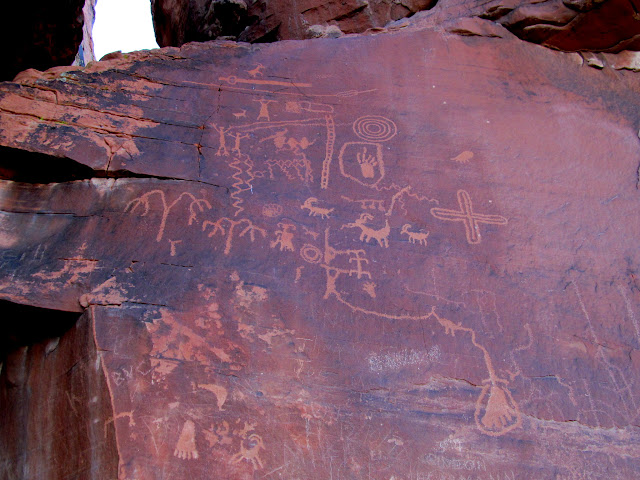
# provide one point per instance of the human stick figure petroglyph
(309, 204)
(222, 147)
(263, 114)
(236, 145)
(333, 273)
(414, 237)
(218, 227)
(284, 237)
(468, 217)
(367, 233)
(144, 201)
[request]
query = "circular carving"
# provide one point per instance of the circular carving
(271, 210)
(311, 254)
(373, 128)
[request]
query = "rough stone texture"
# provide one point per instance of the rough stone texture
(182, 21)
(572, 25)
(326, 259)
(39, 34)
(56, 412)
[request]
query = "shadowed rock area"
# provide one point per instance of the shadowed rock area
(404, 255)
(57, 417)
(570, 25)
(44, 34)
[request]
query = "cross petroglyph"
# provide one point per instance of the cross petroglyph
(466, 215)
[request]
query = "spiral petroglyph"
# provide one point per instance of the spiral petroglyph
(374, 128)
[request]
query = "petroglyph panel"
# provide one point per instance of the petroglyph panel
(329, 277)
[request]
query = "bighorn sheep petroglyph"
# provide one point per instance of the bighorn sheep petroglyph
(367, 233)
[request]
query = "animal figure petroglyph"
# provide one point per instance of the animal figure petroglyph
(251, 454)
(367, 233)
(414, 237)
(309, 204)
(256, 72)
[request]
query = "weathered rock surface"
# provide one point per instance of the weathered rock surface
(570, 25)
(57, 416)
(40, 34)
(179, 22)
(324, 259)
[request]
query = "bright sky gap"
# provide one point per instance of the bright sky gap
(123, 25)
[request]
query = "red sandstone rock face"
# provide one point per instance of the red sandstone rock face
(341, 262)
(185, 21)
(610, 25)
(57, 416)
(580, 25)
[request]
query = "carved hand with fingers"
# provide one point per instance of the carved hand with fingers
(367, 163)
